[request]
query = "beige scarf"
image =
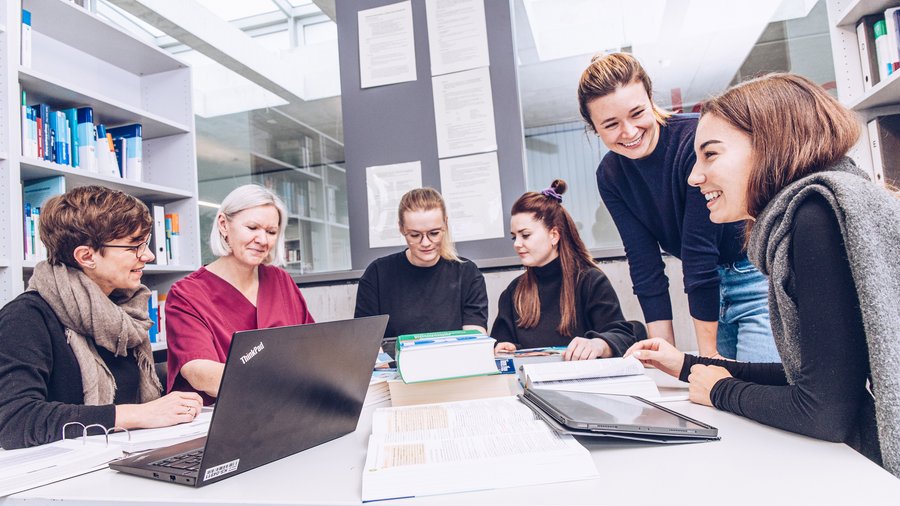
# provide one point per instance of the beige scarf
(118, 322)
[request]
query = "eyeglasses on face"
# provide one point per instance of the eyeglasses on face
(139, 250)
(414, 236)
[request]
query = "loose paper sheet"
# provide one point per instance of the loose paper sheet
(387, 52)
(385, 185)
(471, 189)
(457, 35)
(464, 113)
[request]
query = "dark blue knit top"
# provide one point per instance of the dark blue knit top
(654, 207)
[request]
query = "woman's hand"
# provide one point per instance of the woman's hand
(171, 409)
(658, 353)
(702, 380)
(504, 348)
(582, 348)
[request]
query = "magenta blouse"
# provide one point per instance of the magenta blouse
(203, 311)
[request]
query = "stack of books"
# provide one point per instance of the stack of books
(378, 391)
(446, 366)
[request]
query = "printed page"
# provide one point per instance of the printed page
(32, 467)
(583, 369)
(468, 445)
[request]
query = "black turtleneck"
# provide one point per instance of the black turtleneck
(598, 313)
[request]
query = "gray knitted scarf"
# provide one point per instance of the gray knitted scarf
(117, 322)
(869, 218)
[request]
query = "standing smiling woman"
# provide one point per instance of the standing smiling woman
(643, 183)
(426, 287)
(773, 151)
(563, 299)
(241, 290)
(74, 347)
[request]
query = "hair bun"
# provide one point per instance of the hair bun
(559, 186)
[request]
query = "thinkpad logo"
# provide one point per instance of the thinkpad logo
(252, 353)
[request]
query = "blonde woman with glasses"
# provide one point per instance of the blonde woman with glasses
(427, 287)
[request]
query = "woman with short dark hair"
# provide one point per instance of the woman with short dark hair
(74, 347)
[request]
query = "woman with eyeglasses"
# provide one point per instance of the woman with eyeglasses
(244, 289)
(427, 287)
(563, 299)
(74, 347)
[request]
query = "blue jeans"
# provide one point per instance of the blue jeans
(744, 333)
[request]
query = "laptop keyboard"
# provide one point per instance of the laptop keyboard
(189, 461)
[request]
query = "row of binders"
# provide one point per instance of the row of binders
(878, 36)
(70, 137)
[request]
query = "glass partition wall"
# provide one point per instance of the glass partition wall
(691, 48)
(302, 166)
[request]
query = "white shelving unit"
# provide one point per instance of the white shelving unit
(79, 60)
(883, 98)
(313, 186)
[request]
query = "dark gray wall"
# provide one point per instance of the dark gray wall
(395, 123)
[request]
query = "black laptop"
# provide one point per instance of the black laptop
(284, 390)
(615, 416)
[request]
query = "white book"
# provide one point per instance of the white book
(158, 243)
(26, 39)
(875, 147)
(436, 357)
(469, 445)
(33, 467)
(865, 53)
(623, 376)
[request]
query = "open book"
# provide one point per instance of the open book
(624, 376)
(468, 445)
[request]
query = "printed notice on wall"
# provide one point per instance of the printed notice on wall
(387, 52)
(471, 189)
(457, 35)
(464, 113)
(385, 184)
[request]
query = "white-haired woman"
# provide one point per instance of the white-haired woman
(241, 290)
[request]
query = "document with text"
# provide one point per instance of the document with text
(469, 445)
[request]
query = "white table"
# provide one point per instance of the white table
(752, 464)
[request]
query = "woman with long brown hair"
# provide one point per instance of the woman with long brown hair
(773, 151)
(563, 298)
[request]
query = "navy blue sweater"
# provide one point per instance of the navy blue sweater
(654, 207)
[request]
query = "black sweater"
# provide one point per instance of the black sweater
(445, 296)
(654, 207)
(597, 310)
(828, 399)
(40, 380)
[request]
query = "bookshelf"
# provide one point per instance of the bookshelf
(303, 167)
(79, 60)
(883, 99)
